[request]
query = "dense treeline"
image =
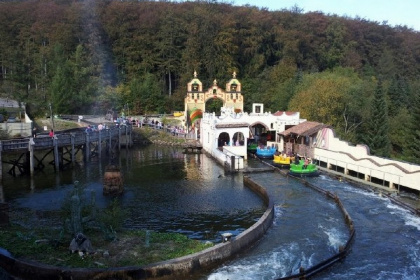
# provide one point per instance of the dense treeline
(88, 56)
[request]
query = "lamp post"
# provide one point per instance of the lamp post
(52, 117)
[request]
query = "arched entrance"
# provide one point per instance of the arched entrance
(259, 133)
(214, 105)
(223, 139)
(238, 139)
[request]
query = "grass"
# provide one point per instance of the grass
(58, 124)
(45, 236)
(132, 248)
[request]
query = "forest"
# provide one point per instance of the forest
(86, 57)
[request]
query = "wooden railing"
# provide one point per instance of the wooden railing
(64, 138)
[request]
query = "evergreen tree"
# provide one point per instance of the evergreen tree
(413, 151)
(377, 134)
(398, 95)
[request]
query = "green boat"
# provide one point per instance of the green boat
(252, 148)
(299, 170)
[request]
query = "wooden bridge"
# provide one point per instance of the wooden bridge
(25, 155)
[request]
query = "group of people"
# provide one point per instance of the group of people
(306, 161)
(91, 128)
(35, 132)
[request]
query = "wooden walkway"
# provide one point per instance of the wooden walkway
(64, 146)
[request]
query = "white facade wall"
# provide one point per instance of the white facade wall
(336, 152)
(234, 122)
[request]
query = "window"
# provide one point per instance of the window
(195, 87)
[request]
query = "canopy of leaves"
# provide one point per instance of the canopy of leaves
(331, 97)
(89, 56)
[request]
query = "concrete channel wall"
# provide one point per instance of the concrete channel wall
(171, 269)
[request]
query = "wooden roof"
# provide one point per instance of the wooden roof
(304, 129)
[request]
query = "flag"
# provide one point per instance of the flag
(195, 114)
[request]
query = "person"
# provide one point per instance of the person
(100, 127)
(34, 132)
(88, 129)
(51, 134)
(296, 159)
(305, 164)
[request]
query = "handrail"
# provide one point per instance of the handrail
(331, 160)
(63, 138)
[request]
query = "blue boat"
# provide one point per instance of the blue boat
(265, 153)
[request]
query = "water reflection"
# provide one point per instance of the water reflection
(164, 190)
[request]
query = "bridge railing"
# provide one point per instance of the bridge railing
(15, 144)
(63, 138)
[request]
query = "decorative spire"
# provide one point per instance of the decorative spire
(195, 74)
(215, 82)
(234, 74)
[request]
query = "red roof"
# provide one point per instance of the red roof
(288, 113)
(304, 129)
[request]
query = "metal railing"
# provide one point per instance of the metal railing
(345, 166)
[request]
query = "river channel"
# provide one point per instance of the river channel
(166, 190)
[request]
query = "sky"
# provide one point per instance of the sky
(401, 12)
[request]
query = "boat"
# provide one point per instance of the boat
(252, 148)
(265, 153)
(178, 114)
(281, 161)
(299, 170)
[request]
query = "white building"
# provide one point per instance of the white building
(228, 135)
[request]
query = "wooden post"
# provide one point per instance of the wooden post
(31, 156)
(232, 163)
(55, 144)
(110, 142)
(87, 147)
(126, 136)
(130, 132)
(1, 163)
(73, 160)
(100, 143)
(119, 138)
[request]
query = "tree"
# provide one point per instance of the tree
(377, 137)
(400, 135)
(144, 95)
(413, 151)
(331, 97)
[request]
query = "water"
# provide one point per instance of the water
(307, 229)
(164, 190)
(169, 191)
(386, 244)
